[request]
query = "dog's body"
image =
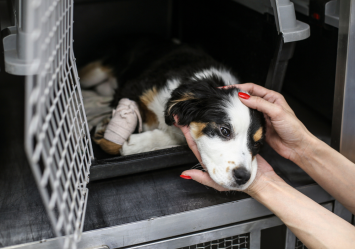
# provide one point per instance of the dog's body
(167, 80)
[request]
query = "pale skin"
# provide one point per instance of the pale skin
(314, 225)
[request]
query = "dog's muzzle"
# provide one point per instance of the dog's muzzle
(241, 175)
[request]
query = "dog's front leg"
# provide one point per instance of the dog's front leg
(152, 140)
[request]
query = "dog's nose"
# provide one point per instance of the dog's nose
(241, 175)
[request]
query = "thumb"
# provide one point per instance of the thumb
(191, 143)
(203, 178)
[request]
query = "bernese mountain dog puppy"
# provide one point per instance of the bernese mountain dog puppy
(170, 79)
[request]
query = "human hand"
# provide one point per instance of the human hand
(265, 172)
(285, 133)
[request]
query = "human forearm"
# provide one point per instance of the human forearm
(329, 169)
(314, 225)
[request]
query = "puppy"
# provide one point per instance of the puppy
(168, 79)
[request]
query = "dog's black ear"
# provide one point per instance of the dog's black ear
(193, 102)
(182, 104)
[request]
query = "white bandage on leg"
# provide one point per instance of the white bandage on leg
(123, 122)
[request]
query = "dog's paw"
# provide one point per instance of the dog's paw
(148, 141)
(136, 143)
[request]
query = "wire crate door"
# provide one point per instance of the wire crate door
(57, 138)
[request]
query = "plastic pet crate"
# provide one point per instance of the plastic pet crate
(57, 139)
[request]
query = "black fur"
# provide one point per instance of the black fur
(206, 105)
(257, 121)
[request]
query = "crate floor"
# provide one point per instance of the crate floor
(113, 201)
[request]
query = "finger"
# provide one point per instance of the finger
(266, 169)
(226, 87)
(269, 95)
(267, 119)
(270, 130)
(269, 127)
(256, 90)
(271, 137)
(203, 178)
(253, 89)
(263, 162)
(190, 141)
(192, 145)
(259, 91)
(275, 112)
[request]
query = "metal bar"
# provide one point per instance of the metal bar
(290, 239)
(278, 66)
(255, 236)
(178, 224)
(343, 128)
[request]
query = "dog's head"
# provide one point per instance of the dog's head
(227, 133)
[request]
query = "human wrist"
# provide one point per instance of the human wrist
(264, 185)
(304, 148)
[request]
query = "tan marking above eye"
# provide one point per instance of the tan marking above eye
(227, 169)
(214, 171)
(148, 96)
(197, 128)
(258, 134)
(184, 97)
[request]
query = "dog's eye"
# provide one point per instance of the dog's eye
(225, 131)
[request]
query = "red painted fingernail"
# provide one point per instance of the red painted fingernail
(185, 177)
(243, 95)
